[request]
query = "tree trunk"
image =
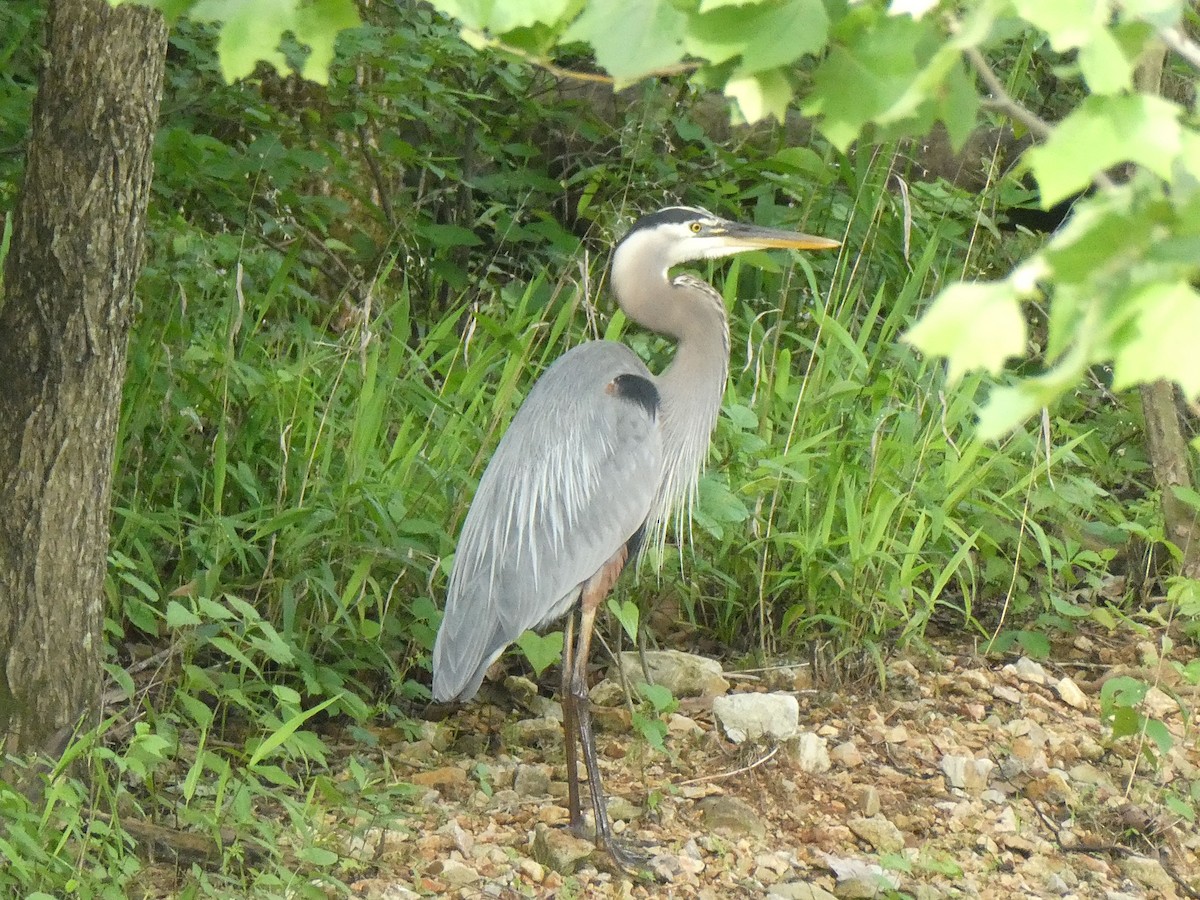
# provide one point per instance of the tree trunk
(75, 255)
(1168, 449)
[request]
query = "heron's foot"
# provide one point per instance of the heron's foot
(633, 857)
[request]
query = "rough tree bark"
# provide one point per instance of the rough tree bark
(75, 255)
(1168, 448)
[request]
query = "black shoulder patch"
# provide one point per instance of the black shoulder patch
(636, 389)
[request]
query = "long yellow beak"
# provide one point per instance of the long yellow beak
(755, 237)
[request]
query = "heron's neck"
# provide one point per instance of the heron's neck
(690, 388)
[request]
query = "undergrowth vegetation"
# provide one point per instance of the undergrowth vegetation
(347, 295)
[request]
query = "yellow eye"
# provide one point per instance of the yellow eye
(696, 227)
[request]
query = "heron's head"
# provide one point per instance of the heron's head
(680, 234)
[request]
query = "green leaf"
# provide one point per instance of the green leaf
(760, 95)
(1068, 23)
(660, 697)
(863, 77)
(500, 16)
(542, 651)
(975, 326)
(626, 612)
(179, 616)
(1161, 735)
(765, 36)
(1104, 64)
(631, 37)
(1167, 321)
(318, 856)
(1036, 645)
(318, 24)
(1101, 132)
(1121, 691)
(707, 6)
(276, 738)
(1006, 407)
(1160, 13)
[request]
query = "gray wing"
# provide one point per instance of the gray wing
(571, 481)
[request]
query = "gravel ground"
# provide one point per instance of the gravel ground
(962, 777)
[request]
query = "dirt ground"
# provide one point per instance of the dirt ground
(961, 777)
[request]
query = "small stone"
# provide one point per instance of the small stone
(752, 716)
(683, 674)
(799, 890)
(505, 800)
(532, 869)
(620, 809)
(1002, 692)
(1070, 694)
(531, 781)
(976, 712)
(1159, 704)
(868, 801)
(881, 834)
(1086, 773)
(539, 732)
(559, 851)
(967, 774)
(679, 725)
(521, 689)
(453, 872)
(442, 778)
(731, 815)
(856, 878)
(810, 754)
(1029, 671)
(775, 862)
(607, 693)
(1056, 884)
(897, 734)
(846, 754)
(1148, 873)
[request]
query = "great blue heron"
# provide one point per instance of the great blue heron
(601, 454)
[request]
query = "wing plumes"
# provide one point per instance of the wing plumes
(571, 481)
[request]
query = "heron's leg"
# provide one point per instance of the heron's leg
(594, 590)
(571, 727)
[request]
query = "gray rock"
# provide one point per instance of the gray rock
(881, 834)
(868, 801)
(846, 754)
(748, 717)
(1148, 873)
(684, 674)
(453, 872)
(1086, 773)
(531, 781)
(540, 732)
(731, 815)
(798, 890)
(967, 774)
(558, 850)
(856, 878)
(620, 809)
(809, 753)
(607, 693)
(1070, 694)
(1029, 671)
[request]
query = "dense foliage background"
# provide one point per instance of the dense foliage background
(349, 290)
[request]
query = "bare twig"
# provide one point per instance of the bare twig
(572, 74)
(722, 775)
(1176, 40)
(1003, 102)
